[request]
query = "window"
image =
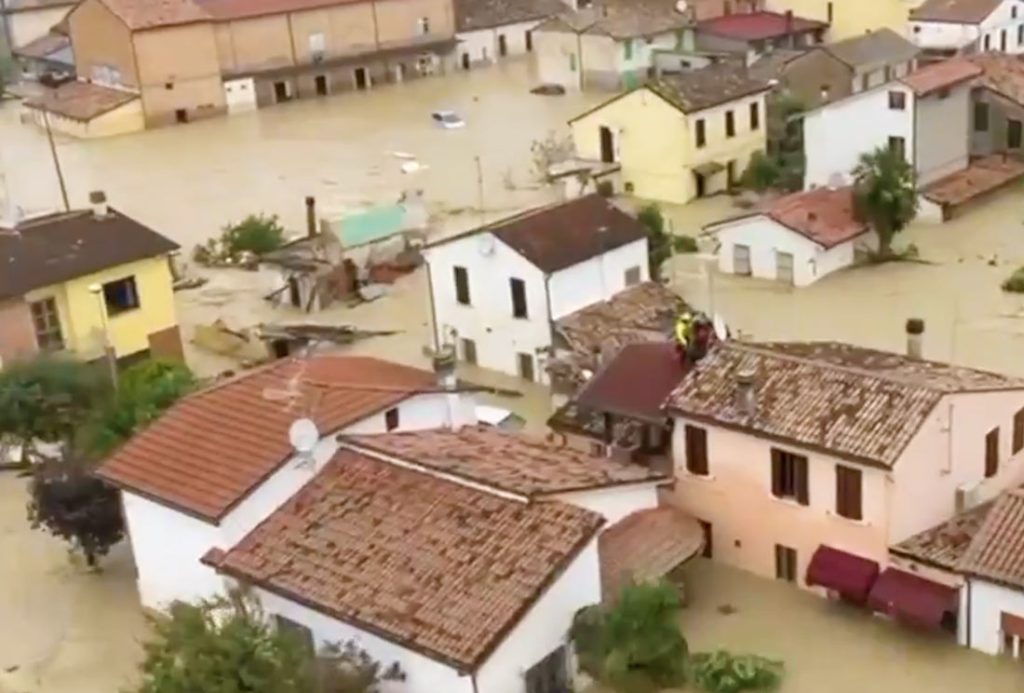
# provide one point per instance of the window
(461, 285)
(988, 42)
(468, 351)
(1018, 431)
(696, 450)
(120, 295)
(423, 26)
(47, 324)
(627, 49)
(298, 632)
(1013, 12)
(755, 116)
(1002, 40)
(699, 125)
(316, 47)
(549, 675)
(981, 115)
(785, 563)
(789, 476)
(730, 124)
(1012, 133)
(1011, 628)
(992, 453)
(1020, 34)
(897, 101)
(518, 289)
(709, 538)
(865, 82)
(168, 86)
(741, 260)
(525, 363)
(898, 145)
(632, 276)
(888, 73)
(391, 419)
(848, 493)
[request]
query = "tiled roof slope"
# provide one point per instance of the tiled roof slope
(997, 552)
(509, 462)
(151, 14)
(636, 381)
(432, 565)
(707, 87)
(963, 11)
(880, 47)
(941, 75)
(1001, 73)
(755, 26)
(849, 401)
(944, 545)
(209, 451)
(473, 15)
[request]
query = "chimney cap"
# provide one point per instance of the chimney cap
(97, 197)
(915, 326)
(745, 375)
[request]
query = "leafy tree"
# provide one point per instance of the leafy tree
(722, 672)
(763, 172)
(547, 152)
(885, 194)
(70, 503)
(659, 243)
(1015, 282)
(782, 166)
(227, 645)
(257, 233)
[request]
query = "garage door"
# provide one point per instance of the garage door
(784, 267)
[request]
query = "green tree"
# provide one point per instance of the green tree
(227, 645)
(659, 243)
(885, 194)
(722, 672)
(257, 233)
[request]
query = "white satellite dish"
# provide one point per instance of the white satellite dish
(721, 330)
(682, 6)
(303, 435)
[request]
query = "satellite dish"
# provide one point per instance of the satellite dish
(486, 244)
(682, 6)
(303, 435)
(721, 331)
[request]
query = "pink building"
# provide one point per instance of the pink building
(807, 461)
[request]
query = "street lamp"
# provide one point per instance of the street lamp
(108, 346)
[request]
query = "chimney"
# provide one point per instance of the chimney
(746, 396)
(98, 202)
(789, 27)
(443, 361)
(310, 216)
(915, 333)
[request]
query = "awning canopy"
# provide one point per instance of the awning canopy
(849, 575)
(708, 168)
(913, 600)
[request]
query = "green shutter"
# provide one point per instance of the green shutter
(628, 49)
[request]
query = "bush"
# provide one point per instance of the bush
(1015, 282)
(762, 172)
(684, 244)
(722, 672)
(256, 234)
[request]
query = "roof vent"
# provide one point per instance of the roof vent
(915, 337)
(98, 201)
(811, 216)
(746, 394)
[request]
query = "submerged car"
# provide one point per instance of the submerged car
(449, 120)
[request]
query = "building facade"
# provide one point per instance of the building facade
(849, 19)
(942, 28)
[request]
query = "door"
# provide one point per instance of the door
(785, 563)
(700, 185)
(730, 175)
(181, 115)
(361, 78)
(469, 351)
(465, 61)
(529, 41)
(549, 675)
(502, 45)
(294, 295)
(320, 82)
(741, 260)
(709, 546)
(525, 362)
(784, 267)
(280, 91)
(607, 145)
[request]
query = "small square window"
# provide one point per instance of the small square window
(47, 325)
(897, 101)
(391, 419)
(121, 296)
(632, 276)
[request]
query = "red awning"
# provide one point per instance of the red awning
(849, 575)
(913, 600)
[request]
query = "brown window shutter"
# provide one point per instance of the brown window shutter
(696, 450)
(841, 498)
(1018, 431)
(777, 481)
(849, 493)
(992, 453)
(803, 492)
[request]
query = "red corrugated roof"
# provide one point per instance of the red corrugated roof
(755, 26)
(213, 448)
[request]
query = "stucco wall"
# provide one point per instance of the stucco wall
(942, 134)
(987, 603)
(101, 39)
(866, 123)
(596, 279)
(17, 333)
(998, 27)
(721, 149)
(397, 20)
(993, 139)
(748, 521)
(616, 502)
(556, 56)
(850, 18)
(483, 46)
(255, 43)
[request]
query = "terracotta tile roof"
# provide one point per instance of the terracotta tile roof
(57, 247)
(222, 10)
(945, 544)
(621, 19)
(209, 451)
(869, 51)
(757, 26)
(432, 565)
(635, 382)
(958, 11)
(150, 14)
(997, 551)
(561, 235)
(941, 75)
(473, 15)
(852, 402)
(81, 101)
(1002, 73)
(646, 545)
(509, 462)
(707, 87)
(981, 177)
(14, 6)
(823, 215)
(43, 47)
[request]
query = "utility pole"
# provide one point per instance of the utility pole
(56, 160)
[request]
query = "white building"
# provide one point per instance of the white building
(942, 28)
(462, 556)
(488, 31)
(497, 290)
(218, 462)
(925, 115)
(797, 239)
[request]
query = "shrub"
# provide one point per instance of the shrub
(1015, 282)
(723, 672)
(684, 244)
(762, 172)
(256, 233)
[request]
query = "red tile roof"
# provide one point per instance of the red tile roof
(960, 11)
(240, 9)
(150, 14)
(755, 26)
(510, 462)
(209, 451)
(636, 382)
(941, 75)
(944, 545)
(997, 551)
(81, 101)
(432, 565)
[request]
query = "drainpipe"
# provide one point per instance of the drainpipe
(579, 56)
(967, 632)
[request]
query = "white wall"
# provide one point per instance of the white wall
(836, 135)
(614, 503)
(643, 51)
(482, 46)
(596, 279)
(552, 58)
(951, 35)
(987, 602)
(942, 134)
(544, 628)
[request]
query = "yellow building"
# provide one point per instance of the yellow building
(850, 18)
(77, 282)
(679, 137)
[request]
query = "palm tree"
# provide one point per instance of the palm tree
(884, 194)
